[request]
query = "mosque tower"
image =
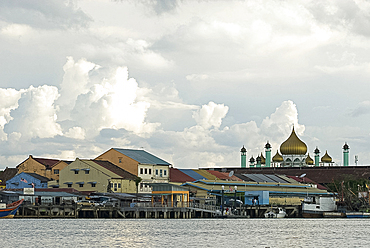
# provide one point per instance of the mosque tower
(251, 162)
(258, 159)
(326, 159)
(268, 154)
(243, 152)
(345, 154)
(317, 156)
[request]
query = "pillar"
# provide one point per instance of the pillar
(345, 154)
(258, 162)
(268, 154)
(317, 156)
(243, 152)
(251, 162)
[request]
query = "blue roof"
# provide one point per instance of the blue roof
(142, 156)
(192, 174)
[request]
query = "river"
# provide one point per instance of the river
(185, 233)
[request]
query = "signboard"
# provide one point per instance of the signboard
(28, 191)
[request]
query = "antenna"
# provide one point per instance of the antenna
(231, 173)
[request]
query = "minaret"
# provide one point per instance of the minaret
(251, 162)
(268, 154)
(243, 152)
(345, 154)
(258, 159)
(317, 156)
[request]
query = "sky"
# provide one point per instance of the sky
(188, 81)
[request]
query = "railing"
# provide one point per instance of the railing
(174, 205)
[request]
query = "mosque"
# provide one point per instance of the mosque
(293, 153)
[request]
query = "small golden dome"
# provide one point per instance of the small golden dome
(309, 160)
(293, 145)
(277, 157)
(263, 160)
(326, 158)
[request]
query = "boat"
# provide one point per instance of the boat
(357, 215)
(316, 206)
(8, 211)
(279, 213)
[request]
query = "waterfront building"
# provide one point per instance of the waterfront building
(5, 175)
(43, 166)
(97, 176)
(27, 180)
(148, 167)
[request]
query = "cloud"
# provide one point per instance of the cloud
(362, 109)
(35, 115)
(44, 14)
(210, 115)
(8, 101)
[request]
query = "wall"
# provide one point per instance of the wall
(120, 160)
(32, 166)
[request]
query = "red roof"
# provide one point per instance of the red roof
(179, 177)
(224, 175)
(49, 163)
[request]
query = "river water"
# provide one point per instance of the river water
(185, 233)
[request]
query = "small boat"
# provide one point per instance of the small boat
(357, 215)
(8, 211)
(279, 213)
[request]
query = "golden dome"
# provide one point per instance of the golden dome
(263, 160)
(277, 157)
(326, 158)
(293, 145)
(309, 160)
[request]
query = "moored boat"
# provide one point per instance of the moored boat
(316, 206)
(8, 211)
(357, 215)
(279, 213)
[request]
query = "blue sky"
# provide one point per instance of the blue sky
(189, 81)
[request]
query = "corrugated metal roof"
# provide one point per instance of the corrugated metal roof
(276, 178)
(115, 169)
(142, 156)
(37, 176)
(206, 174)
(192, 174)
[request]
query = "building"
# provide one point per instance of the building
(27, 180)
(148, 167)
(97, 176)
(42, 166)
(5, 175)
(293, 153)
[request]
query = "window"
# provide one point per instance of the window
(76, 171)
(81, 185)
(150, 171)
(119, 185)
(115, 185)
(164, 172)
(93, 185)
(146, 171)
(87, 171)
(160, 172)
(119, 160)
(141, 171)
(56, 171)
(69, 185)
(156, 172)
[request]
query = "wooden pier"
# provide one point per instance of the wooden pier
(158, 212)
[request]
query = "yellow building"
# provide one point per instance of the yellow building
(49, 168)
(148, 167)
(97, 176)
